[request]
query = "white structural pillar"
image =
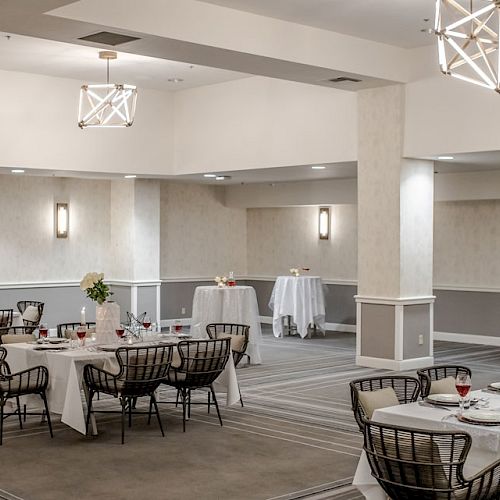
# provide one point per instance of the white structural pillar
(135, 240)
(395, 232)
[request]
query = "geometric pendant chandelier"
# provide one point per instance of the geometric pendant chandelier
(107, 105)
(467, 33)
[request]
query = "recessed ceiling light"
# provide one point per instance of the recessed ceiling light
(17, 171)
(130, 176)
(446, 157)
(176, 80)
(209, 175)
(223, 178)
(318, 167)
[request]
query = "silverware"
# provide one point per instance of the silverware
(430, 405)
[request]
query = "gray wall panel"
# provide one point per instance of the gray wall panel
(377, 331)
(416, 322)
(121, 295)
(146, 301)
(62, 304)
(175, 296)
(474, 313)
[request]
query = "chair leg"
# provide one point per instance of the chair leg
(49, 423)
(177, 399)
(2, 403)
(130, 412)
(153, 399)
(183, 395)
(216, 404)
(124, 412)
(209, 402)
(150, 409)
(241, 399)
(189, 403)
(19, 413)
(89, 411)
(24, 412)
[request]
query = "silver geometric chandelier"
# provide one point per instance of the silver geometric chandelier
(107, 105)
(467, 33)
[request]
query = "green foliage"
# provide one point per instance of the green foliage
(99, 292)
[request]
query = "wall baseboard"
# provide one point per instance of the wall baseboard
(467, 338)
(395, 365)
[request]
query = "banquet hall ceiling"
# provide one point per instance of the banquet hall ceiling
(394, 22)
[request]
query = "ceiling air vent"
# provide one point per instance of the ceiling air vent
(108, 38)
(341, 79)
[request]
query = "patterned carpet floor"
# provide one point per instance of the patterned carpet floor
(295, 438)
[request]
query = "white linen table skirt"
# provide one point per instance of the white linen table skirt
(237, 304)
(66, 376)
(485, 440)
(300, 297)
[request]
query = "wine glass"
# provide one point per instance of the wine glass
(43, 331)
(81, 331)
(120, 331)
(462, 384)
(146, 322)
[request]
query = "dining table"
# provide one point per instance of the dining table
(301, 299)
(66, 392)
(485, 447)
(228, 304)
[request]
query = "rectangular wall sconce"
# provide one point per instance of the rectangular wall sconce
(324, 223)
(62, 220)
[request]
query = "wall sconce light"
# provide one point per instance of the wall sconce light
(324, 223)
(62, 220)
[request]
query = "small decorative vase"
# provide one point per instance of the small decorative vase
(107, 318)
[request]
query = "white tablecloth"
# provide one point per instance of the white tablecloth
(237, 304)
(66, 374)
(300, 297)
(485, 440)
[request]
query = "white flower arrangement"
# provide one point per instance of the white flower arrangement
(221, 281)
(92, 284)
(294, 271)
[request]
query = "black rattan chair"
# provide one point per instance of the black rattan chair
(13, 334)
(23, 305)
(239, 340)
(6, 316)
(432, 373)
(200, 363)
(414, 464)
(62, 327)
(142, 369)
(407, 390)
(13, 385)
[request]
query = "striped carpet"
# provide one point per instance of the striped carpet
(295, 438)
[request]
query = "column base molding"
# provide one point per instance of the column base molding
(395, 365)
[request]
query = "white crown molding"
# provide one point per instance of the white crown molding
(191, 279)
(460, 288)
(134, 283)
(395, 301)
(39, 284)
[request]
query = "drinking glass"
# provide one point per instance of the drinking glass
(462, 384)
(43, 331)
(178, 326)
(120, 331)
(147, 322)
(81, 331)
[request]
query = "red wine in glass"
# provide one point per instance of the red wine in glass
(178, 327)
(120, 332)
(80, 333)
(43, 331)
(463, 389)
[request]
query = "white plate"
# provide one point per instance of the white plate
(50, 347)
(444, 398)
(487, 416)
(57, 340)
(495, 385)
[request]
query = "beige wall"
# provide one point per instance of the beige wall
(281, 238)
(29, 250)
(199, 235)
(467, 243)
